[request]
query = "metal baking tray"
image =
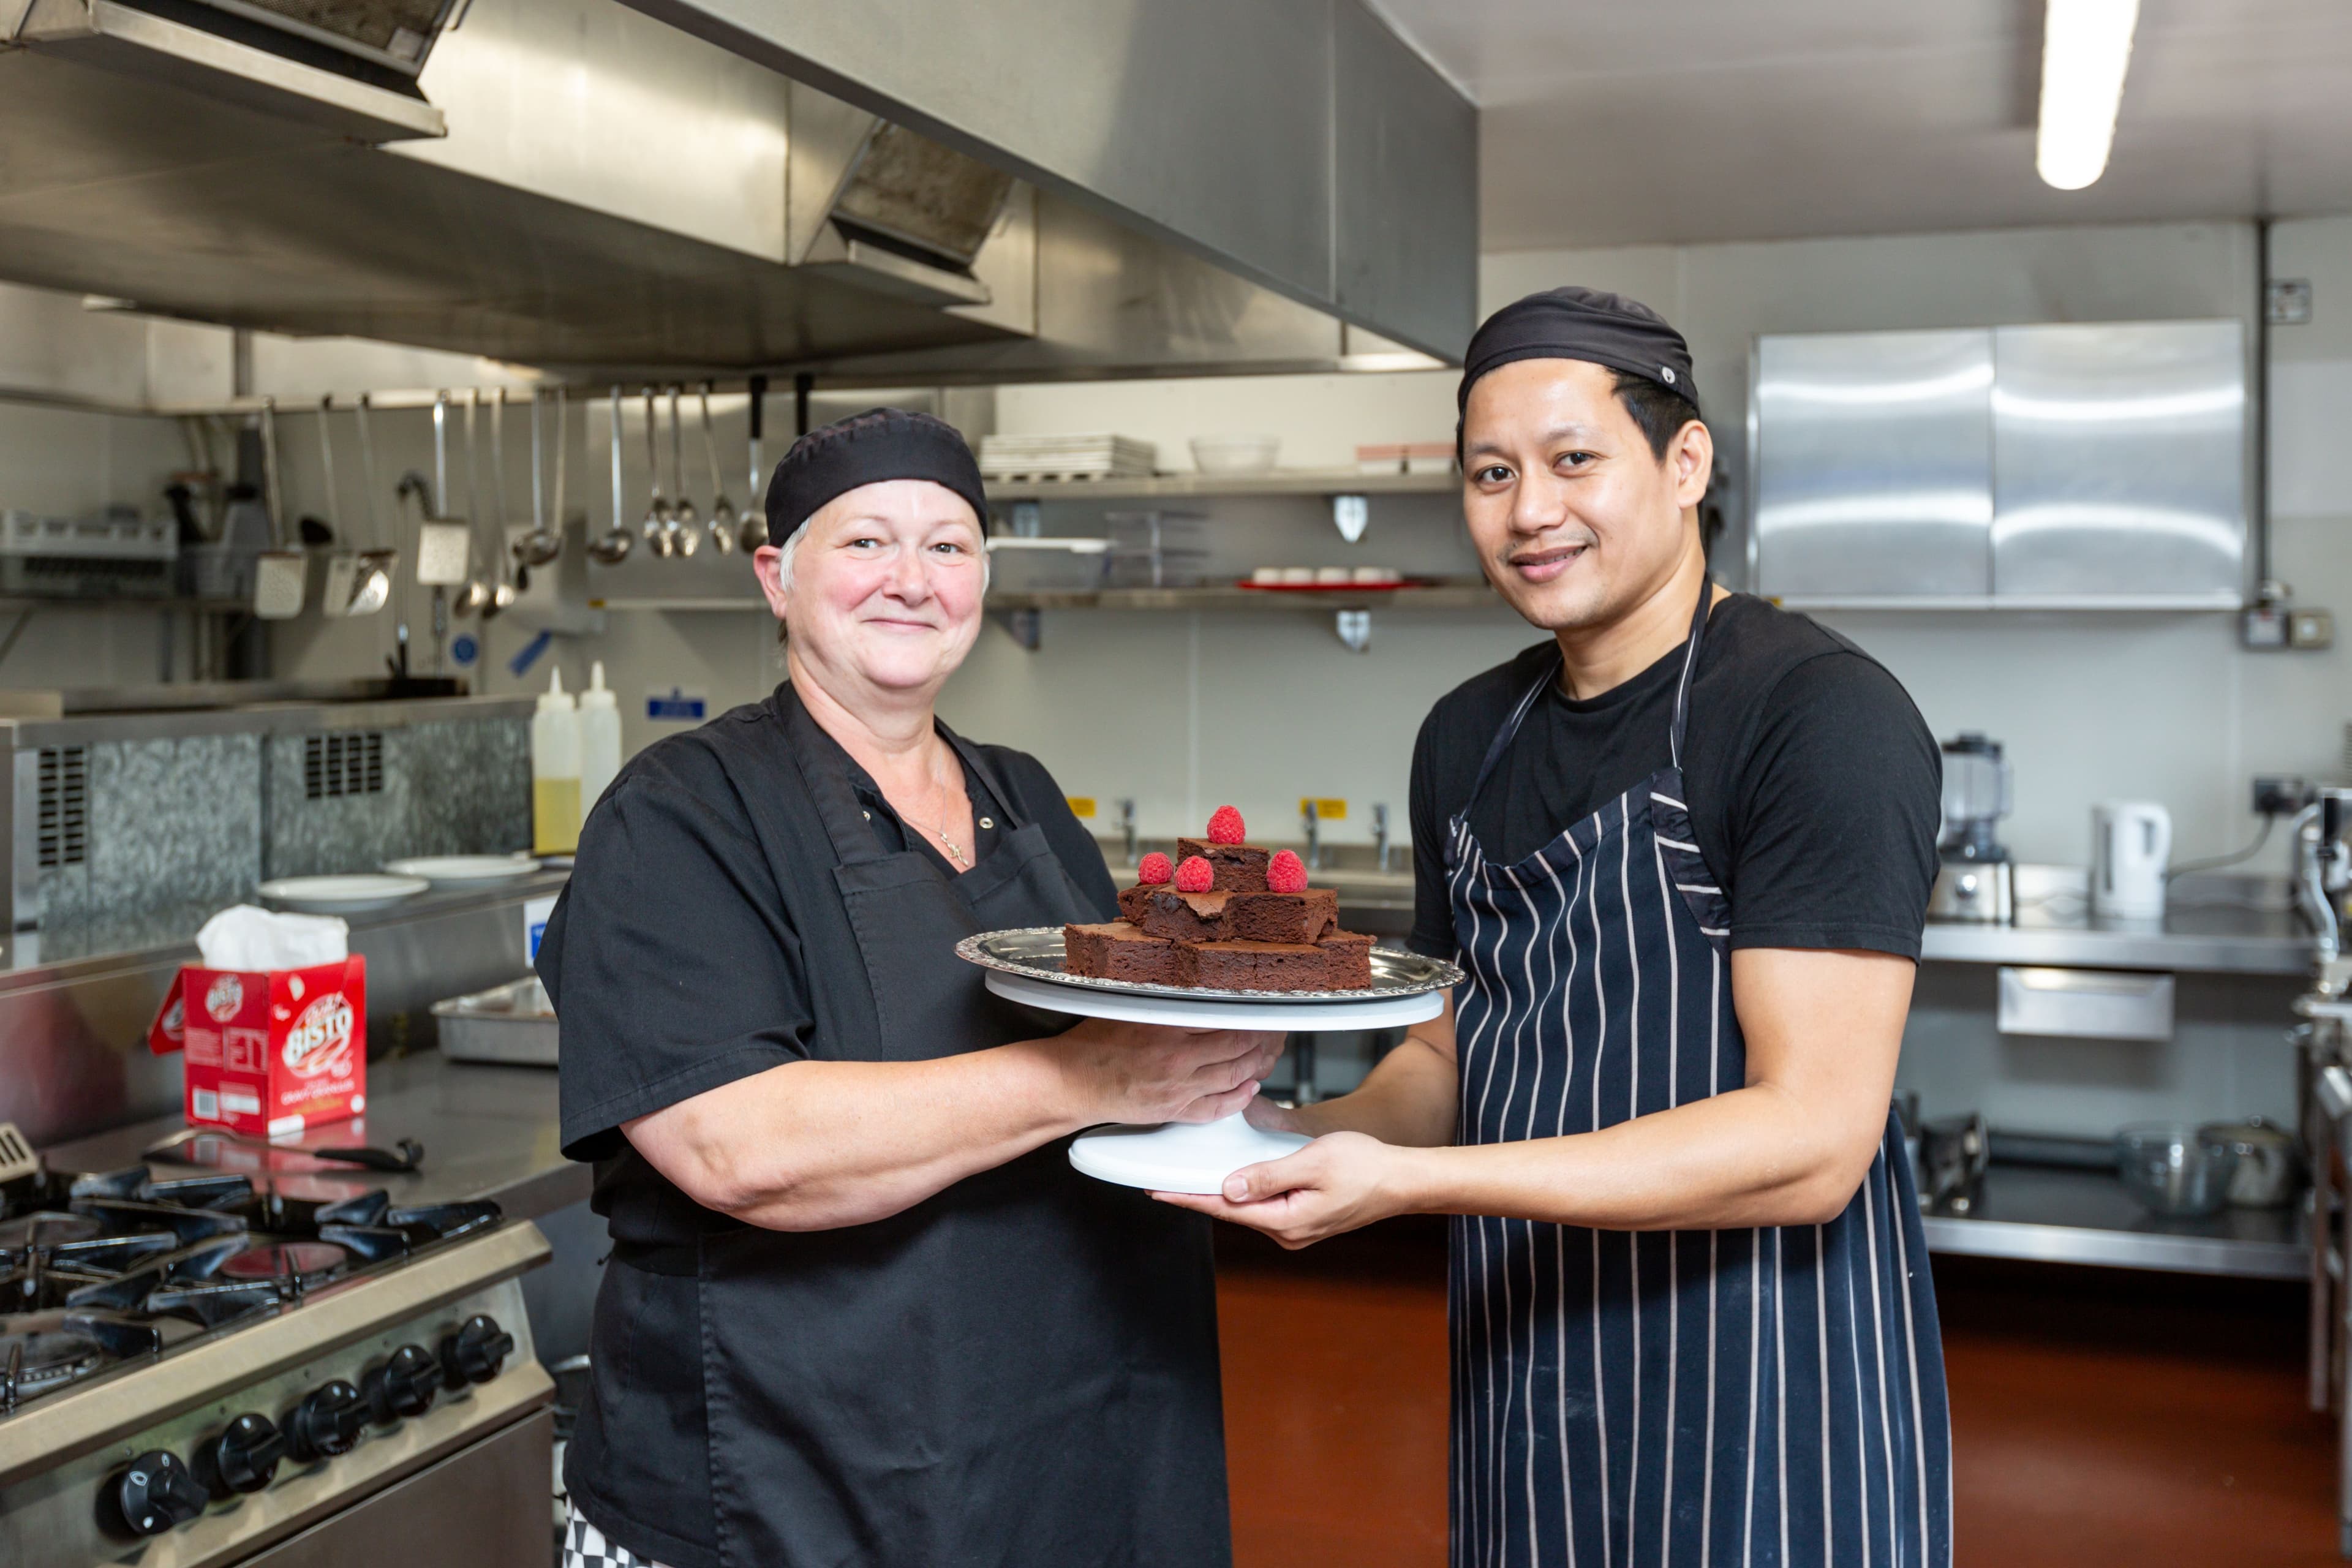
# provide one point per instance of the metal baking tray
(513, 1023)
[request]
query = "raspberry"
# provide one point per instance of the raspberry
(1195, 876)
(1153, 870)
(1286, 873)
(1225, 825)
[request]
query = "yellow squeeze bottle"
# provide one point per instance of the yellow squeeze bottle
(555, 771)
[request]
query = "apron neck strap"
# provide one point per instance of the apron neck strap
(821, 759)
(1690, 665)
(1551, 670)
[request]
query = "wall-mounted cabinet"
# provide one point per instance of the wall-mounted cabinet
(2098, 466)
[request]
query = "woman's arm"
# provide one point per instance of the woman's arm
(815, 1145)
(1790, 1147)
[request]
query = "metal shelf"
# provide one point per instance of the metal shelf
(1432, 597)
(2048, 1214)
(1178, 487)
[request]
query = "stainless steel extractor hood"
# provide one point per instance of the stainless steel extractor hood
(577, 184)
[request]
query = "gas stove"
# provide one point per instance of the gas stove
(195, 1368)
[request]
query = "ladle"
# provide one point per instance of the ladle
(542, 543)
(685, 529)
(612, 547)
(502, 588)
(373, 590)
(656, 527)
(752, 531)
(722, 511)
(476, 593)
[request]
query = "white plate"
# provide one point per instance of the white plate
(455, 871)
(353, 893)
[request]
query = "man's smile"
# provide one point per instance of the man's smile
(1544, 564)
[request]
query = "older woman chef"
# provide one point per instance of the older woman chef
(859, 1307)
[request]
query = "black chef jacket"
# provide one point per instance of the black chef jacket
(704, 936)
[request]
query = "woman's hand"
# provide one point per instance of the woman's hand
(1146, 1073)
(1339, 1182)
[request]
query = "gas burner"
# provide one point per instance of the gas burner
(294, 1263)
(41, 1353)
(44, 1228)
(189, 1224)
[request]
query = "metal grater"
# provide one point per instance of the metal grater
(17, 1160)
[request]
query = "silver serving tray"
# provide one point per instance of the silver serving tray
(1035, 953)
(512, 1023)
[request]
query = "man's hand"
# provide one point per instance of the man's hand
(1339, 1182)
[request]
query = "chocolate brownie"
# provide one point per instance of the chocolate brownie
(1160, 911)
(1281, 917)
(1350, 957)
(1256, 965)
(1238, 868)
(1116, 951)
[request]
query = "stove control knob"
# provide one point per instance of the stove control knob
(158, 1492)
(403, 1384)
(243, 1458)
(326, 1423)
(477, 1350)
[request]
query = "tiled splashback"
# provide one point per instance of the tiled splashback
(444, 789)
(198, 821)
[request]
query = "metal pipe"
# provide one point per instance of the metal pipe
(2260, 519)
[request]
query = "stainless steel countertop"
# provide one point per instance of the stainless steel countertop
(2217, 925)
(488, 1131)
(2214, 924)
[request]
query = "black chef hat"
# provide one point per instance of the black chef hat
(1581, 323)
(865, 449)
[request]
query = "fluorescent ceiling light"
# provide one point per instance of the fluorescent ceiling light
(2086, 47)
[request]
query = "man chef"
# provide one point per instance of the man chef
(1682, 849)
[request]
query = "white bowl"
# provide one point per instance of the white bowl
(1235, 454)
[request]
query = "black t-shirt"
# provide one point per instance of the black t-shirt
(687, 949)
(1814, 783)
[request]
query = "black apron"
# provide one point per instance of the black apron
(1022, 1369)
(1763, 1395)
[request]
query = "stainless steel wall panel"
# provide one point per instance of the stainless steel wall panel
(2119, 460)
(1872, 458)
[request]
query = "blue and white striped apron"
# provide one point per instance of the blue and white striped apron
(1768, 1395)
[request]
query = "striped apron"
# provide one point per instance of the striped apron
(1764, 1396)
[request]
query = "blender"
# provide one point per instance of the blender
(1973, 879)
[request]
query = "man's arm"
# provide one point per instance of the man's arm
(1790, 1147)
(1408, 1099)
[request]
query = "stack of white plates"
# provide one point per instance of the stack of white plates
(464, 870)
(1101, 456)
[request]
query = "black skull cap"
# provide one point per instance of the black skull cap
(1583, 324)
(865, 449)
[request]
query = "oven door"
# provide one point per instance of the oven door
(489, 1504)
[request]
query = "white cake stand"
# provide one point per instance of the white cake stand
(1197, 1157)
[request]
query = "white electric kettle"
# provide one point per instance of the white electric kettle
(2130, 842)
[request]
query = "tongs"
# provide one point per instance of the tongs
(402, 1159)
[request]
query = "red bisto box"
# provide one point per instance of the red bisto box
(272, 1051)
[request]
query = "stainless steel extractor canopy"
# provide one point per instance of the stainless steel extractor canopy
(581, 185)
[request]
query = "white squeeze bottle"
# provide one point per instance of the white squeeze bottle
(600, 739)
(554, 771)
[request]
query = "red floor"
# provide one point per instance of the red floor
(2098, 1416)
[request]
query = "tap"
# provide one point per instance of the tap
(1381, 831)
(1314, 835)
(1126, 830)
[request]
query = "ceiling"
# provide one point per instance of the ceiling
(1608, 123)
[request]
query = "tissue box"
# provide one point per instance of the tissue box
(269, 1051)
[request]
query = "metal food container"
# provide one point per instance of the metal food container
(514, 1024)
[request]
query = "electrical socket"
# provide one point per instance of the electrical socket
(2282, 797)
